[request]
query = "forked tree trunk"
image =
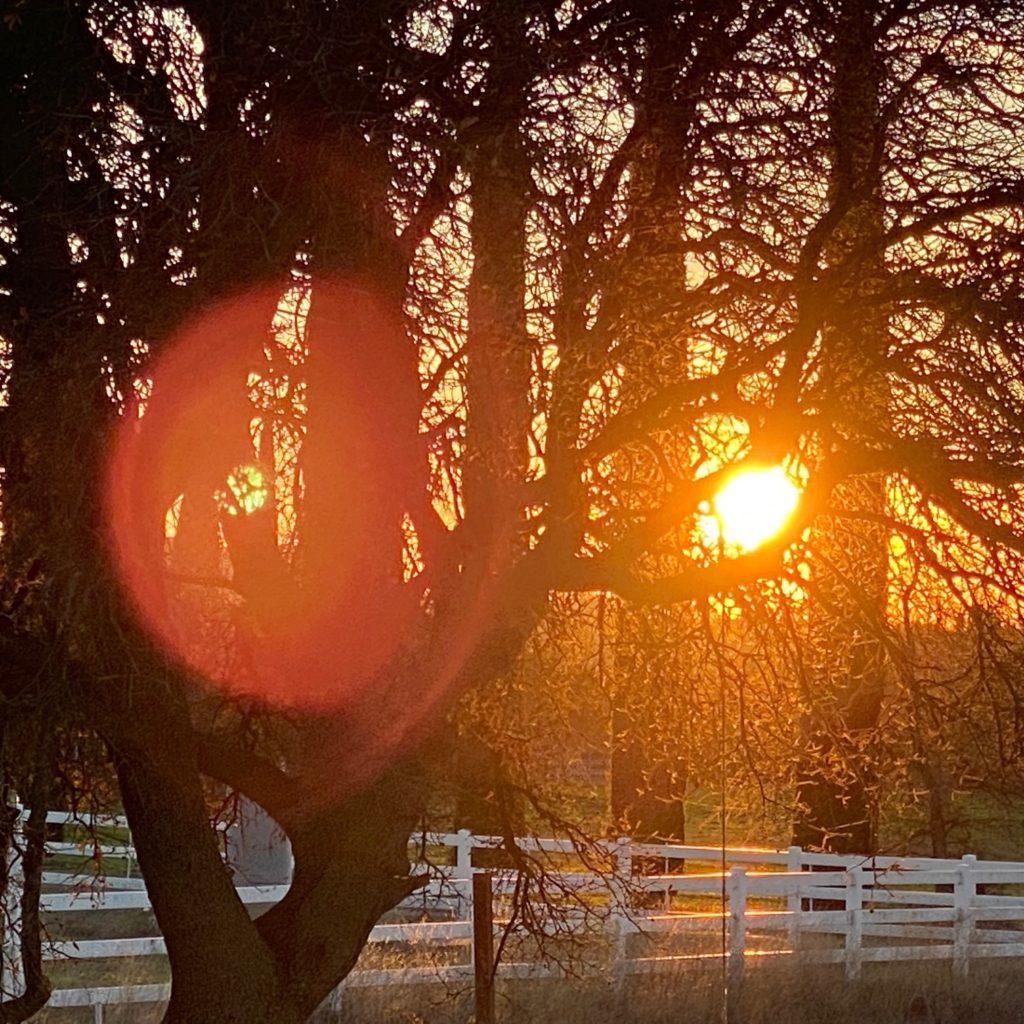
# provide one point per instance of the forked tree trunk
(222, 972)
(351, 866)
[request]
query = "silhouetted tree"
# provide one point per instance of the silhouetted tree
(553, 272)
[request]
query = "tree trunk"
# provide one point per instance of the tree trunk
(646, 790)
(222, 971)
(836, 783)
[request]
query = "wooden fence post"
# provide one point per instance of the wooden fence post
(737, 892)
(854, 921)
(483, 948)
(964, 888)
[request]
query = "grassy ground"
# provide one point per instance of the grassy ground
(774, 991)
(772, 994)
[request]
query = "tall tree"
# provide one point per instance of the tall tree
(835, 787)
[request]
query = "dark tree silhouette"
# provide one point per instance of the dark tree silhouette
(516, 287)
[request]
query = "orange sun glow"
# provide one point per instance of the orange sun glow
(751, 508)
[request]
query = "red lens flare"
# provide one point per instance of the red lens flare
(255, 504)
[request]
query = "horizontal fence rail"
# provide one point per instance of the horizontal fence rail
(773, 903)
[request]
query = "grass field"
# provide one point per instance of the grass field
(773, 994)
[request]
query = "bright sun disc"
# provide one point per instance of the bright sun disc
(245, 494)
(751, 508)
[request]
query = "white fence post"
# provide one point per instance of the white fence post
(737, 892)
(130, 853)
(854, 921)
(794, 902)
(964, 888)
(12, 980)
(618, 907)
(464, 872)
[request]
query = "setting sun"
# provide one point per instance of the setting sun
(752, 507)
(246, 492)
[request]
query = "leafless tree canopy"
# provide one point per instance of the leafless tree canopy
(624, 246)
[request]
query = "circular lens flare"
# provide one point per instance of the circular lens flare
(194, 519)
(751, 508)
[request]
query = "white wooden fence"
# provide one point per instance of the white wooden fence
(776, 904)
